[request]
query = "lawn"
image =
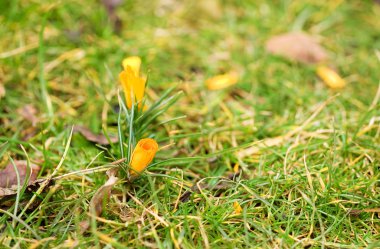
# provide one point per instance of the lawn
(278, 160)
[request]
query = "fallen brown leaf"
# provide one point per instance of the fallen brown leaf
(90, 136)
(28, 112)
(100, 198)
(7, 191)
(103, 193)
(8, 176)
(297, 46)
(32, 187)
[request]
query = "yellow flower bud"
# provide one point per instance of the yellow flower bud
(142, 155)
(222, 81)
(133, 85)
(330, 77)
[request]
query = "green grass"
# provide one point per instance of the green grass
(298, 193)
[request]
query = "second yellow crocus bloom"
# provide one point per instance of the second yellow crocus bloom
(133, 85)
(142, 155)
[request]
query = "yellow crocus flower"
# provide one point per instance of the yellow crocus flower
(142, 155)
(133, 85)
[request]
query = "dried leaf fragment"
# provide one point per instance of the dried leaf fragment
(99, 199)
(297, 46)
(32, 187)
(222, 81)
(8, 176)
(356, 212)
(7, 191)
(96, 204)
(330, 77)
(95, 138)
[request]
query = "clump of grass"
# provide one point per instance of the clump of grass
(138, 124)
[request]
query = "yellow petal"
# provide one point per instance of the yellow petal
(330, 77)
(125, 83)
(133, 87)
(222, 81)
(142, 155)
(137, 84)
(134, 62)
(237, 208)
